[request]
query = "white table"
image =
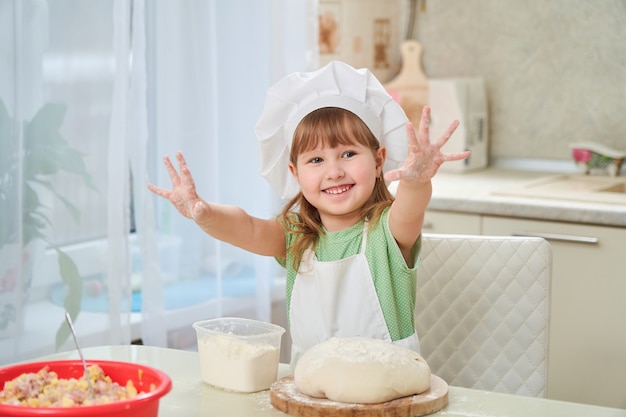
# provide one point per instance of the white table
(190, 397)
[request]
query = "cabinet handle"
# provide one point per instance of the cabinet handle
(427, 225)
(562, 238)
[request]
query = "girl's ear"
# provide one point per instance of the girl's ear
(381, 155)
(293, 170)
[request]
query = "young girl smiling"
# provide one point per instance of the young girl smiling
(349, 247)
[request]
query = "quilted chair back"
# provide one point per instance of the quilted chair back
(482, 311)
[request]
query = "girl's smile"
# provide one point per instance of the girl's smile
(338, 190)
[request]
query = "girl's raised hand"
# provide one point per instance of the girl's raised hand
(425, 158)
(183, 193)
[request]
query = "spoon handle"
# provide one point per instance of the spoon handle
(80, 353)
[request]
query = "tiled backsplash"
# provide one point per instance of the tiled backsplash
(555, 71)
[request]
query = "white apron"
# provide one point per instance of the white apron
(336, 299)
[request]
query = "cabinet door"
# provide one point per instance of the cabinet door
(451, 223)
(587, 353)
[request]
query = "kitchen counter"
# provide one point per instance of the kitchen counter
(472, 192)
(190, 397)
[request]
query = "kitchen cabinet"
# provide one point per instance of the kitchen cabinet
(587, 350)
(587, 347)
(448, 222)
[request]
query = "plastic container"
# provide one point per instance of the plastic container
(155, 383)
(238, 354)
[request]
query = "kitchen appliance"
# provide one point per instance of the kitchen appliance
(462, 99)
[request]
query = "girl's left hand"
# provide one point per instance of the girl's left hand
(425, 158)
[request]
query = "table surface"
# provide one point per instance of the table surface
(191, 397)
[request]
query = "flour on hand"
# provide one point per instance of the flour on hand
(361, 370)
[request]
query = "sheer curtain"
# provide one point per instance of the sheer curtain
(122, 84)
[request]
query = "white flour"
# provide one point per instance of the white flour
(233, 364)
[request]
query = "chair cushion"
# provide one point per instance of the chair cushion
(482, 311)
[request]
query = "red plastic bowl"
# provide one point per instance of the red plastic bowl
(143, 405)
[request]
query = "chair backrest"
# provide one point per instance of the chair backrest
(482, 311)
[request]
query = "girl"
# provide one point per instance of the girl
(350, 249)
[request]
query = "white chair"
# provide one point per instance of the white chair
(482, 311)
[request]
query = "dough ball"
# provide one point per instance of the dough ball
(361, 370)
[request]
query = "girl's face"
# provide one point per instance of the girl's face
(338, 180)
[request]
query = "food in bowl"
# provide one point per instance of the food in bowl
(46, 389)
(238, 354)
(148, 386)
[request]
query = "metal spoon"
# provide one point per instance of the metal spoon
(80, 353)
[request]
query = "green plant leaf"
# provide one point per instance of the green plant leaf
(30, 160)
(71, 208)
(49, 118)
(9, 211)
(7, 147)
(72, 302)
(34, 217)
(74, 211)
(8, 182)
(46, 151)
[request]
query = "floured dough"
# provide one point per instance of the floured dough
(361, 370)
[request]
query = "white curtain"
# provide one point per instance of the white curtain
(122, 84)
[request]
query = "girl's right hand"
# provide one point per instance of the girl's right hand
(183, 194)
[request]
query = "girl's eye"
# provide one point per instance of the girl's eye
(348, 154)
(315, 160)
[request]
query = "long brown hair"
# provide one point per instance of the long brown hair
(330, 126)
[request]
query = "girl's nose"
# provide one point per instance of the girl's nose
(335, 170)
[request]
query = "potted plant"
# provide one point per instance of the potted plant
(42, 154)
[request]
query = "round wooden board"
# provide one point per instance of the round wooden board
(285, 397)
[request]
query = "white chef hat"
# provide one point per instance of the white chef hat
(335, 85)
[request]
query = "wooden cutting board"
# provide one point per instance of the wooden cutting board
(285, 397)
(410, 87)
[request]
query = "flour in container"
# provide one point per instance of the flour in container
(234, 364)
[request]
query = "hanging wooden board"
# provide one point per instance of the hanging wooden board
(284, 396)
(410, 87)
